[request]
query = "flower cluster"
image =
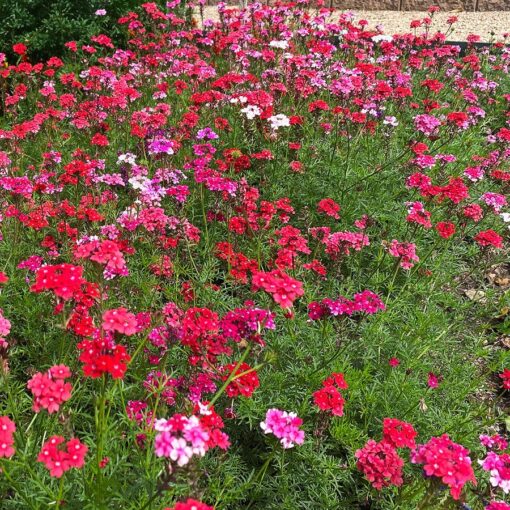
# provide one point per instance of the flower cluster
(497, 505)
(405, 252)
(64, 280)
(7, 429)
(284, 289)
(120, 320)
(446, 460)
(499, 469)
(190, 504)
(103, 356)
(179, 438)
(49, 389)
(363, 302)
(58, 460)
(244, 382)
(284, 426)
(380, 463)
(505, 376)
(399, 434)
(329, 397)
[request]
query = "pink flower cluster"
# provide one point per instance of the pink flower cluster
(105, 252)
(284, 289)
(57, 460)
(49, 389)
(406, 252)
(120, 320)
(363, 302)
(444, 459)
(7, 429)
(494, 442)
(499, 469)
(5, 329)
(427, 124)
(497, 505)
(285, 426)
(180, 437)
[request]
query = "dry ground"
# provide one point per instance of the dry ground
(489, 25)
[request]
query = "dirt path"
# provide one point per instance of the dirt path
(489, 26)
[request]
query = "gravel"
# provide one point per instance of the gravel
(490, 26)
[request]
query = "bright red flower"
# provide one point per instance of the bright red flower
(489, 238)
(246, 380)
(190, 504)
(329, 207)
(57, 460)
(19, 48)
(505, 375)
(399, 434)
(445, 229)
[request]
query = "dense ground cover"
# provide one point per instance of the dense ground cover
(258, 264)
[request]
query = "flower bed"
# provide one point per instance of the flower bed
(244, 266)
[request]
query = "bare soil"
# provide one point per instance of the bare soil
(490, 26)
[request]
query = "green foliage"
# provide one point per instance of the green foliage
(46, 25)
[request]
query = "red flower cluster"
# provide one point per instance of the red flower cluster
(489, 238)
(329, 397)
(399, 434)
(446, 460)
(64, 280)
(380, 463)
(284, 289)
(329, 207)
(445, 229)
(245, 382)
(57, 460)
(240, 265)
(102, 356)
(50, 389)
(7, 429)
(190, 504)
(505, 375)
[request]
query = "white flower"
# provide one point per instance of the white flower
(381, 37)
(282, 45)
(278, 121)
(391, 121)
(139, 182)
(251, 111)
(126, 158)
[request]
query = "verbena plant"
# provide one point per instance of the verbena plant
(256, 263)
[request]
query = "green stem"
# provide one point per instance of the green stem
(100, 433)
(60, 492)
